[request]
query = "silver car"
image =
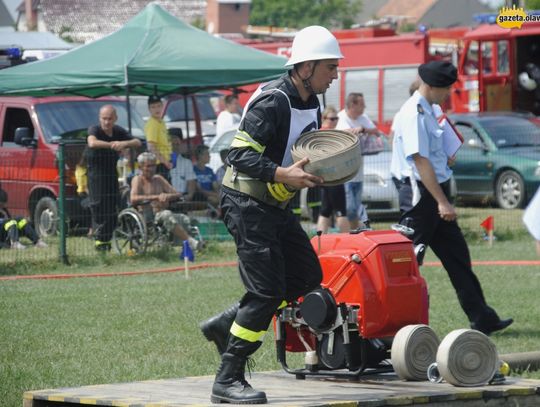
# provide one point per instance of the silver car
(379, 194)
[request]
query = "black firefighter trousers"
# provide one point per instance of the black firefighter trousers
(276, 262)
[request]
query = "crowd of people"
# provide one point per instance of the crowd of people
(163, 173)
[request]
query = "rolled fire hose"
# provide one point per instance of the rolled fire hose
(333, 155)
(413, 350)
(522, 361)
(467, 357)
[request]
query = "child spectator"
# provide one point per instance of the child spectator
(81, 177)
(157, 136)
(206, 179)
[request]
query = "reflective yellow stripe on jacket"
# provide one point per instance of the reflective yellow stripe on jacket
(243, 139)
(277, 189)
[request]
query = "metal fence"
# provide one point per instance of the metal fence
(53, 196)
(47, 194)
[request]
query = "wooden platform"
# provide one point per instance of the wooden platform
(284, 390)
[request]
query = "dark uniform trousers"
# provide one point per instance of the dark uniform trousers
(447, 242)
(104, 196)
(276, 262)
(12, 228)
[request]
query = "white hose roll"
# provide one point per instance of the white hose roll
(333, 155)
(413, 350)
(467, 358)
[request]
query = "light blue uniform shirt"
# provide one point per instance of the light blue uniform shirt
(418, 132)
(399, 167)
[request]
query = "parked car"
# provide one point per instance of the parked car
(216, 145)
(379, 194)
(30, 132)
(500, 158)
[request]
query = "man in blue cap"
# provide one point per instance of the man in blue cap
(424, 196)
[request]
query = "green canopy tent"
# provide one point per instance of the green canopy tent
(154, 53)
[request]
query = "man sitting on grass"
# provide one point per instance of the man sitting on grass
(12, 228)
(154, 192)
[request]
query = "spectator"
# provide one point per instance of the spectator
(206, 179)
(81, 177)
(105, 142)
(152, 187)
(332, 198)
(11, 228)
(229, 118)
(179, 146)
(157, 136)
(221, 170)
(183, 176)
(354, 119)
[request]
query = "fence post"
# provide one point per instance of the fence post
(62, 201)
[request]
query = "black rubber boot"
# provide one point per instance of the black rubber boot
(230, 386)
(216, 329)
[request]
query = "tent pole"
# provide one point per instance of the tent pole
(126, 78)
(128, 108)
(187, 122)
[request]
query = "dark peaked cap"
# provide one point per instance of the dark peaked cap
(439, 74)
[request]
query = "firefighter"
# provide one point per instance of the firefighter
(276, 260)
(430, 212)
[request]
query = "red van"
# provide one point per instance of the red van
(30, 130)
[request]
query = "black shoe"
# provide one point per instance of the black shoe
(102, 246)
(230, 385)
(489, 329)
(216, 329)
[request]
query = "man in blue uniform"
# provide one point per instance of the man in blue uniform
(430, 212)
(276, 260)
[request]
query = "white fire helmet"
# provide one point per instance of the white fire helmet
(526, 81)
(314, 43)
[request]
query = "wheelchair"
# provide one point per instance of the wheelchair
(137, 228)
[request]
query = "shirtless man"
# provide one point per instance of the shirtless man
(149, 186)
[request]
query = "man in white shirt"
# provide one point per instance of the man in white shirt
(183, 178)
(354, 119)
(229, 118)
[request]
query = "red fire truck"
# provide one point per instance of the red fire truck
(382, 64)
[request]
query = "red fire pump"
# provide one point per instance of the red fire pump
(371, 288)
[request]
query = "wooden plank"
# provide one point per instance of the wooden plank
(283, 389)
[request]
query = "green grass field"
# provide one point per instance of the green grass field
(82, 331)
